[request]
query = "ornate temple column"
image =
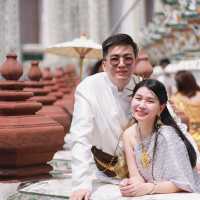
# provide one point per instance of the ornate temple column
(9, 28)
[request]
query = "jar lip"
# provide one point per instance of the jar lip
(13, 55)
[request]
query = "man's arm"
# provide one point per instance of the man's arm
(81, 129)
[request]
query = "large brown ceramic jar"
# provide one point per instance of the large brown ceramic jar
(67, 102)
(48, 109)
(27, 141)
(143, 66)
(8, 71)
(50, 84)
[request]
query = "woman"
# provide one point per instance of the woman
(187, 101)
(187, 86)
(159, 156)
(188, 91)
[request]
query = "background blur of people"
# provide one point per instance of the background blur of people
(187, 100)
(164, 77)
(97, 67)
(187, 88)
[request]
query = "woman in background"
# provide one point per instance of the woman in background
(187, 100)
(188, 91)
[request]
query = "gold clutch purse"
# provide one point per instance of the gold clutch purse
(112, 166)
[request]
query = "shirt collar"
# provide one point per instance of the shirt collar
(127, 89)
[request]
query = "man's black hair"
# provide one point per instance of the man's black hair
(119, 39)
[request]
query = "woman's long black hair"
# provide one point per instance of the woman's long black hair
(159, 90)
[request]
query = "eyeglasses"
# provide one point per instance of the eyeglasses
(115, 60)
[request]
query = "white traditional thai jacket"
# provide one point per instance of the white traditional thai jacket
(101, 113)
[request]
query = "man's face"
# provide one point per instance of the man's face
(119, 64)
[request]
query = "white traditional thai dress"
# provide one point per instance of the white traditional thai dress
(171, 162)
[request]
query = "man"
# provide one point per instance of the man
(101, 111)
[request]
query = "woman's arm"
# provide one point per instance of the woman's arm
(164, 187)
(140, 189)
(129, 142)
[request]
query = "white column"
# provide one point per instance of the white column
(2, 31)
(52, 18)
(139, 20)
(158, 6)
(9, 28)
(71, 28)
(52, 29)
(99, 19)
(93, 19)
(127, 26)
(104, 19)
(135, 20)
(83, 16)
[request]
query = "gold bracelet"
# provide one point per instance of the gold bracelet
(154, 188)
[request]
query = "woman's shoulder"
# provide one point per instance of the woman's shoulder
(167, 134)
(130, 129)
(195, 99)
(130, 134)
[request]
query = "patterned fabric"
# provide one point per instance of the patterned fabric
(171, 161)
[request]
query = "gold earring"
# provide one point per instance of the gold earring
(158, 122)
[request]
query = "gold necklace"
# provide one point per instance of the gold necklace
(145, 158)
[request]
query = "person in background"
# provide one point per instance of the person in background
(187, 88)
(101, 112)
(165, 77)
(97, 67)
(187, 101)
(157, 152)
(187, 97)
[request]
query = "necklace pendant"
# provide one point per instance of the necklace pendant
(145, 159)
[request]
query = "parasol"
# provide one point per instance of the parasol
(79, 47)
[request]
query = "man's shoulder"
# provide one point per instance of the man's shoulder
(91, 82)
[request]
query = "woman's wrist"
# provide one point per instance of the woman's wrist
(138, 177)
(152, 189)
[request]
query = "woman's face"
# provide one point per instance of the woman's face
(145, 105)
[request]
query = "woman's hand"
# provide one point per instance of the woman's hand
(135, 187)
(82, 194)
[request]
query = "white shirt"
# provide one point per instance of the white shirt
(101, 113)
